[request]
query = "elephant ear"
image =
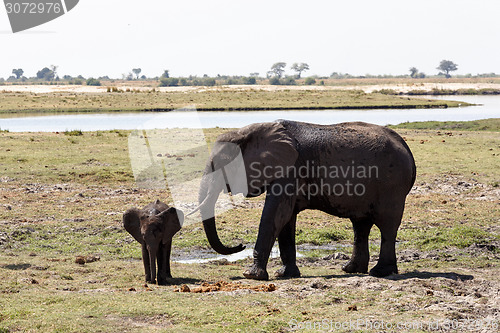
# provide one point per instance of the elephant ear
(268, 145)
(172, 220)
(132, 223)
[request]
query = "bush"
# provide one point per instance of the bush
(249, 80)
(288, 81)
(274, 81)
(310, 81)
(93, 82)
(169, 82)
(73, 133)
(77, 82)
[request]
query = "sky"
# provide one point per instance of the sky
(196, 37)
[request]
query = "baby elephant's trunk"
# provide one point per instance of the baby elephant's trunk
(152, 262)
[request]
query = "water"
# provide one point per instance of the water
(489, 108)
(247, 253)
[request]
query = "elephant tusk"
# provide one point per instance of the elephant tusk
(198, 208)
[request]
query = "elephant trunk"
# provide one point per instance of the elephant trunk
(209, 192)
(152, 262)
(213, 238)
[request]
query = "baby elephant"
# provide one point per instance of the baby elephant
(153, 227)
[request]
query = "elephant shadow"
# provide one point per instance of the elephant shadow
(430, 275)
(16, 267)
(182, 280)
(404, 276)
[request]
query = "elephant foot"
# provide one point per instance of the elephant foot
(383, 270)
(163, 281)
(256, 273)
(291, 271)
(355, 267)
(151, 281)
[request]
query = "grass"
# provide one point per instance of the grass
(476, 125)
(217, 99)
(60, 199)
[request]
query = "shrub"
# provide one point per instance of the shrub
(93, 82)
(310, 81)
(77, 82)
(169, 82)
(249, 80)
(288, 81)
(73, 133)
(274, 81)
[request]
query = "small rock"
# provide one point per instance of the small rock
(91, 258)
(352, 307)
(319, 285)
(131, 289)
(336, 256)
(80, 260)
(220, 262)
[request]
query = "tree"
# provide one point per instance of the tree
(136, 71)
(278, 69)
(299, 68)
(53, 68)
(18, 73)
(413, 72)
(45, 74)
(447, 66)
(165, 74)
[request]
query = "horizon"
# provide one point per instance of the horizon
(222, 37)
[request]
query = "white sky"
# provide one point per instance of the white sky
(110, 37)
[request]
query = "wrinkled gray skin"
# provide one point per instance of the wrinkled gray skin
(153, 227)
(288, 143)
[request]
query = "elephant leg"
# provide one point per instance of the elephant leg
(360, 252)
(146, 262)
(387, 263)
(286, 241)
(164, 263)
(278, 210)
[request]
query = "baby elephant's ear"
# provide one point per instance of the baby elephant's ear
(132, 223)
(172, 219)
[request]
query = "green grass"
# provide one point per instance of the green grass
(214, 99)
(492, 124)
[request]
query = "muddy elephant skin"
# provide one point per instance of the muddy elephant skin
(352, 170)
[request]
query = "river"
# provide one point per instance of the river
(488, 107)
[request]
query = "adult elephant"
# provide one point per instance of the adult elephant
(352, 170)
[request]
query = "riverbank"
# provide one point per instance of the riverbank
(62, 196)
(21, 99)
